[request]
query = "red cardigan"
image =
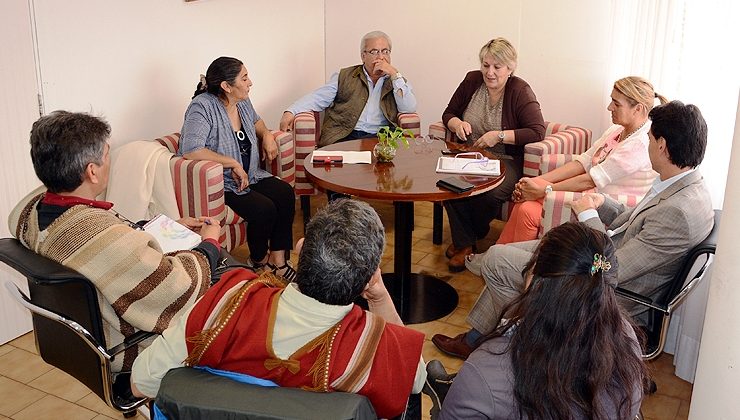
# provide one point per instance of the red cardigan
(521, 111)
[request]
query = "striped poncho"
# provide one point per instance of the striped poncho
(139, 288)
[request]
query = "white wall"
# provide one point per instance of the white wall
(561, 45)
(137, 62)
(717, 372)
(18, 110)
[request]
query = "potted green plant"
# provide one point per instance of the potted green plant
(388, 142)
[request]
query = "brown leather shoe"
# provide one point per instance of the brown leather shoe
(456, 346)
(451, 251)
(457, 262)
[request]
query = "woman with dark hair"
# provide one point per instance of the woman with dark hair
(221, 125)
(564, 349)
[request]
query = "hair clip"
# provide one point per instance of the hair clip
(600, 263)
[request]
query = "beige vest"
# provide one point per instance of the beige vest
(352, 94)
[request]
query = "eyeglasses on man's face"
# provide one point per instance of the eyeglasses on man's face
(376, 52)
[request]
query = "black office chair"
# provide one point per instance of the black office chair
(68, 325)
(192, 393)
(687, 279)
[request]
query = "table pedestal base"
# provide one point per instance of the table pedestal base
(429, 298)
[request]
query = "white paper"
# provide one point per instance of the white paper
(347, 157)
(171, 235)
(450, 165)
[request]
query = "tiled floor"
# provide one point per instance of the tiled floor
(31, 389)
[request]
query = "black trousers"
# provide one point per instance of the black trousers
(470, 217)
(269, 209)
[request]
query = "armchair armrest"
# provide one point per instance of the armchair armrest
(559, 139)
(283, 166)
(410, 121)
(550, 162)
(306, 132)
(556, 207)
(439, 131)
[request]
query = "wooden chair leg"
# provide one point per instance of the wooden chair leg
(437, 224)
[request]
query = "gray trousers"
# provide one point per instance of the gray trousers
(501, 268)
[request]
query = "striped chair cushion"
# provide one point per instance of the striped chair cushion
(410, 121)
(556, 208)
(283, 166)
(306, 131)
(550, 162)
(439, 131)
(563, 139)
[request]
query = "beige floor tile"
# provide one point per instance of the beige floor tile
(683, 410)
(26, 342)
(93, 403)
(466, 299)
(423, 221)
(54, 408)
(102, 417)
(435, 262)
(425, 245)
(5, 349)
(468, 282)
(672, 386)
(61, 384)
(458, 317)
(660, 407)
(423, 233)
(22, 366)
(16, 396)
(4, 418)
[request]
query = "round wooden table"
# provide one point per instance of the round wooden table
(410, 177)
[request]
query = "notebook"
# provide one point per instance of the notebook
(171, 235)
(455, 165)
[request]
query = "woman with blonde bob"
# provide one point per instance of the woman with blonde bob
(617, 163)
(564, 349)
(492, 109)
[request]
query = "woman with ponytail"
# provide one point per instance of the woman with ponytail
(616, 163)
(221, 125)
(564, 349)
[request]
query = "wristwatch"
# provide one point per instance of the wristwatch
(501, 136)
(548, 189)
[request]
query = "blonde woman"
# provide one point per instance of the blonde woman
(617, 163)
(494, 109)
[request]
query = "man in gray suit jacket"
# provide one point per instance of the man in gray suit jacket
(651, 239)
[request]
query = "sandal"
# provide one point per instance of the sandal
(256, 265)
(285, 271)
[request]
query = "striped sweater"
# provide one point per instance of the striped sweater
(139, 288)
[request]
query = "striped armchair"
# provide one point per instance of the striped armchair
(561, 143)
(306, 132)
(556, 208)
(199, 186)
